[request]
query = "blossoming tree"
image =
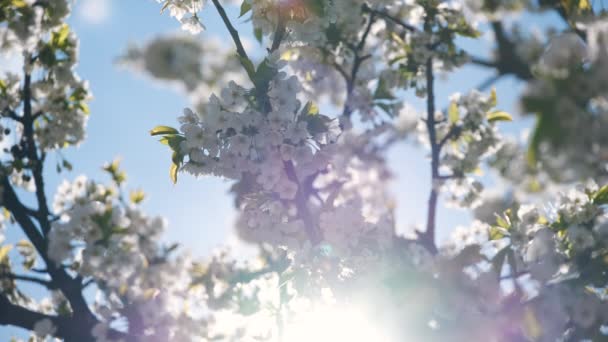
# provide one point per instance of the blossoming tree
(302, 133)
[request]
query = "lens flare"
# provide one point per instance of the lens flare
(328, 324)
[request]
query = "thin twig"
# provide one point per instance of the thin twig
(233, 32)
(385, 15)
(44, 282)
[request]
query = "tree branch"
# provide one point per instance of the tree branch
(428, 237)
(233, 32)
(67, 328)
(46, 283)
(60, 278)
(358, 60)
(385, 15)
(279, 32)
(36, 162)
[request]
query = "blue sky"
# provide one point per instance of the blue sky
(127, 105)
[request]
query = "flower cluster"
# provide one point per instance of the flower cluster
(569, 97)
(58, 98)
(201, 67)
(117, 247)
(185, 11)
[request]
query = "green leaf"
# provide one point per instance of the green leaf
(503, 222)
(167, 3)
(4, 252)
(576, 6)
(453, 112)
(177, 159)
(310, 109)
(387, 108)
(163, 130)
(264, 74)
(493, 98)
(245, 7)
(137, 196)
(399, 40)
(259, 35)
(316, 123)
(112, 167)
(600, 197)
(173, 172)
(47, 55)
(173, 141)
(59, 38)
(67, 165)
(382, 92)
(499, 260)
(498, 116)
(317, 7)
(19, 3)
(83, 107)
(497, 233)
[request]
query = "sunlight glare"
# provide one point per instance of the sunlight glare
(330, 325)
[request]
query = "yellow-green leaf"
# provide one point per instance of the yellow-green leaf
(453, 112)
(493, 98)
(163, 130)
(60, 37)
(137, 196)
(173, 172)
(245, 7)
(601, 196)
(576, 6)
(112, 167)
(19, 3)
(310, 109)
(4, 252)
(499, 116)
(497, 233)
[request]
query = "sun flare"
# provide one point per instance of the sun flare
(328, 324)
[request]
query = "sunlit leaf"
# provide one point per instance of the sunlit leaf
(173, 172)
(499, 259)
(4, 252)
(601, 196)
(137, 196)
(453, 112)
(245, 7)
(163, 130)
(493, 98)
(499, 116)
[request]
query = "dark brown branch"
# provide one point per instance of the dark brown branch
(60, 278)
(483, 62)
(358, 60)
(428, 236)
(389, 17)
(44, 282)
(301, 202)
(66, 328)
(279, 32)
(233, 32)
(36, 162)
(453, 133)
